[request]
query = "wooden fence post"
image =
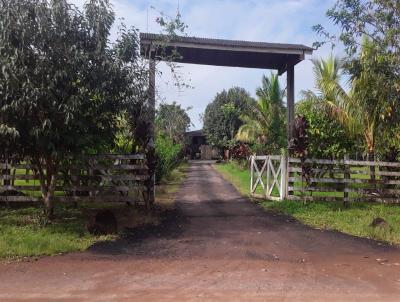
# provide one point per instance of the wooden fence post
(267, 187)
(251, 173)
(283, 184)
(150, 152)
(346, 184)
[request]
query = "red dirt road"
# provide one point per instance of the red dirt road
(217, 246)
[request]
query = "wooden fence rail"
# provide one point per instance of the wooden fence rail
(322, 179)
(108, 177)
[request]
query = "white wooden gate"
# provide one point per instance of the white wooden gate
(268, 177)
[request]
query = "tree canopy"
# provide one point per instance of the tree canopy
(369, 31)
(62, 83)
(222, 116)
(264, 121)
(173, 121)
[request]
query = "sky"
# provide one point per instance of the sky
(278, 21)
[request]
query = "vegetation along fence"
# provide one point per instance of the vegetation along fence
(111, 177)
(279, 177)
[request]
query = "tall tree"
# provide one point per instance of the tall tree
(222, 116)
(378, 20)
(264, 122)
(370, 33)
(368, 106)
(61, 83)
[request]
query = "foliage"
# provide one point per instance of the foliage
(123, 141)
(62, 83)
(222, 116)
(168, 154)
(368, 108)
(375, 100)
(378, 20)
(264, 123)
(370, 32)
(173, 121)
(327, 137)
(172, 27)
(240, 152)
(65, 89)
(298, 145)
(259, 149)
(330, 94)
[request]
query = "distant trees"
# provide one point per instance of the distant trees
(235, 117)
(173, 121)
(222, 116)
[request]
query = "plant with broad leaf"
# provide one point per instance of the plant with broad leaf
(298, 145)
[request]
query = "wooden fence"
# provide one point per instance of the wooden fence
(319, 179)
(111, 177)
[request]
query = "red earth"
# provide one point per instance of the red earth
(217, 246)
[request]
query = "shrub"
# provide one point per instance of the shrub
(168, 155)
(326, 136)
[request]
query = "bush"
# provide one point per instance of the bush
(168, 155)
(240, 152)
(326, 137)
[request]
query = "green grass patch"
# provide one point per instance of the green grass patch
(238, 176)
(25, 233)
(354, 219)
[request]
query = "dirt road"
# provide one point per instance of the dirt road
(218, 246)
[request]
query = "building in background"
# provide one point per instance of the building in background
(197, 147)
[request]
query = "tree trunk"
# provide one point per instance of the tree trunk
(48, 185)
(48, 206)
(371, 157)
(6, 172)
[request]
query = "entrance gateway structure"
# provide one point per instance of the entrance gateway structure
(231, 53)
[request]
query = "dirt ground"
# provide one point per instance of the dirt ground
(217, 246)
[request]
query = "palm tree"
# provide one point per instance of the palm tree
(362, 109)
(330, 94)
(264, 122)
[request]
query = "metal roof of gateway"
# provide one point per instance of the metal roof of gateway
(232, 53)
(195, 133)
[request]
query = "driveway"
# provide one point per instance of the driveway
(217, 246)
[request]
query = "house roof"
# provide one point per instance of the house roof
(219, 52)
(194, 133)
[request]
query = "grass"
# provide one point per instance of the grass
(25, 233)
(169, 186)
(238, 176)
(354, 220)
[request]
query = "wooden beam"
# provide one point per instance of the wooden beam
(151, 145)
(290, 101)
